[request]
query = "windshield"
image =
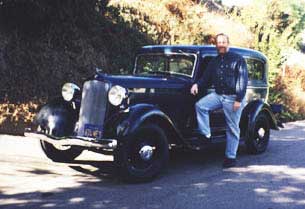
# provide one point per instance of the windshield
(165, 64)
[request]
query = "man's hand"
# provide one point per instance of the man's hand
(236, 105)
(194, 89)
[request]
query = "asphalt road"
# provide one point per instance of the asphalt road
(272, 180)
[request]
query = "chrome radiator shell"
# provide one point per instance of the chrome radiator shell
(93, 108)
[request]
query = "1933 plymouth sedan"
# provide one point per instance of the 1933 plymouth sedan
(138, 118)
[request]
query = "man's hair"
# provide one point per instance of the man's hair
(222, 34)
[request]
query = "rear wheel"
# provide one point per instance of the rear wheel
(142, 155)
(257, 139)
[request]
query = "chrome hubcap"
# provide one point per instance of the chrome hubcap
(146, 152)
(261, 133)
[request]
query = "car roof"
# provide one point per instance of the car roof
(203, 49)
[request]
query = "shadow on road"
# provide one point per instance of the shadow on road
(179, 160)
(104, 169)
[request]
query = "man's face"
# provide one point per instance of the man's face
(222, 44)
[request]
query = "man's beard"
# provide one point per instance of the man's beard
(222, 50)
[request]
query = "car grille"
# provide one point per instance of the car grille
(93, 109)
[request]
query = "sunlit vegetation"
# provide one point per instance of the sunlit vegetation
(278, 27)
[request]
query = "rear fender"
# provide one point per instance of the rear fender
(250, 113)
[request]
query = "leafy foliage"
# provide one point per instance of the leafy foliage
(180, 22)
(277, 27)
(60, 41)
(45, 43)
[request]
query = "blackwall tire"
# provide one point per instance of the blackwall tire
(61, 117)
(57, 155)
(134, 159)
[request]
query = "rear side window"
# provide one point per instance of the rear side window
(256, 70)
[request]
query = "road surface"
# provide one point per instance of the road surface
(272, 180)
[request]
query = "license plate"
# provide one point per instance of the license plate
(93, 131)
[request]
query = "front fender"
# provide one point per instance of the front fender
(141, 113)
(58, 116)
(250, 113)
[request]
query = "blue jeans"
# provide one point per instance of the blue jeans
(215, 101)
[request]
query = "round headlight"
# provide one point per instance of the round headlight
(116, 95)
(68, 91)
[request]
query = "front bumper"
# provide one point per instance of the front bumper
(84, 142)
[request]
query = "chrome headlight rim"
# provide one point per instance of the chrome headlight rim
(68, 91)
(116, 95)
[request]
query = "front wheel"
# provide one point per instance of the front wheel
(257, 139)
(57, 154)
(57, 119)
(142, 155)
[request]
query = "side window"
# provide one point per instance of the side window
(181, 64)
(146, 63)
(256, 70)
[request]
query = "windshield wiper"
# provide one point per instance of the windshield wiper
(185, 54)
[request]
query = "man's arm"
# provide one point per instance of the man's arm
(206, 78)
(203, 82)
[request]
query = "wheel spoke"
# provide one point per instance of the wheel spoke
(144, 154)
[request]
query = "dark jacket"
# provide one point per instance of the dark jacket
(228, 74)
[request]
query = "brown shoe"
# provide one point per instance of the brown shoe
(229, 162)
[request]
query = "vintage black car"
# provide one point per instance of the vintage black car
(138, 118)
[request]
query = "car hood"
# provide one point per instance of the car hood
(137, 81)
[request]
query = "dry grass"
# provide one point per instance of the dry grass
(15, 117)
(291, 86)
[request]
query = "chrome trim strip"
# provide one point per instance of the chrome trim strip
(257, 87)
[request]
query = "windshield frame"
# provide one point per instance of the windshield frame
(169, 53)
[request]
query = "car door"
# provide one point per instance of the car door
(217, 118)
(175, 98)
